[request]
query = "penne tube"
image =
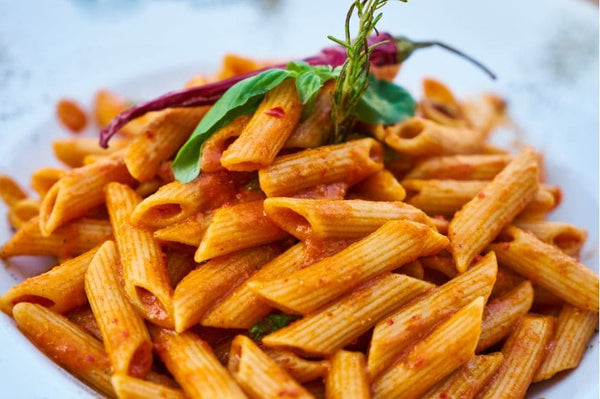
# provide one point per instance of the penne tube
(548, 267)
(194, 365)
(413, 269)
(484, 112)
(124, 333)
(267, 131)
(466, 381)
(399, 331)
(302, 370)
(440, 105)
(460, 167)
(482, 218)
(574, 328)
(545, 200)
(243, 308)
(323, 191)
(202, 288)
(347, 377)
(500, 314)
(322, 219)
(10, 191)
(23, 211)
(175, 201)
(237, 227)
(59, 289)
(78, 191)
(72, 239)
(395, 243)
(315, 129)
(72, 151)
(523, 353)
(127, 387)
(44, 178)
(188, 232)
(215, 145)
(348, 162)
(334, 326)
(163, 135)
(418, 137)
(64, 342)
(441, 197)
(450, 345)
(565, 236)
(258, 375)
(146, 280)
(381, 186)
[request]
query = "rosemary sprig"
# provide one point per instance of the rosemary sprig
(354, 75)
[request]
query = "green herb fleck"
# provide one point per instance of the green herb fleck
(271, 323)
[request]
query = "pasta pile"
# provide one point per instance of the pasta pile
(414, 260)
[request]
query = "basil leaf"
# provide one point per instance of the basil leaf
(298, 67)
(384, 102)
(241, 99)
(308, 85)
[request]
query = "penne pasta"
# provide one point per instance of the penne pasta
(565, 236)
(440, 105)
(347, 377)
(460, 167)
(349, 163)
(267, 131)
(315, 128)
(124, 333)
(127, 387)
(482, 218)
(381, 186)
(502, 313)
(237, 227)
(302, 370)
(162, 136)
(72, 239)
(258, 375)
(334, 326)
(146, 280)
(59, 289)
(44, 178)
(395, 243)
(574, 328)
(78, 191)
(208, 283)
(188, 232)
(215, 145)
(548, 267)
(409, 323)
(466, 381)
(66, 344)
(72, 151)
(243, 307)
(175, 201)
(450, 345)
(194, 365)
(322, 219)
(417, 137)
(523, 353)
(10, 191)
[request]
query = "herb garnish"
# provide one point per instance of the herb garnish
(271, 323)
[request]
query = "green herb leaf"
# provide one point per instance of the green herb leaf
(271, 323)
(297, 67)
(384, 102)
(241, 99)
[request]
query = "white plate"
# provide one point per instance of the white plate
(545, 53)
